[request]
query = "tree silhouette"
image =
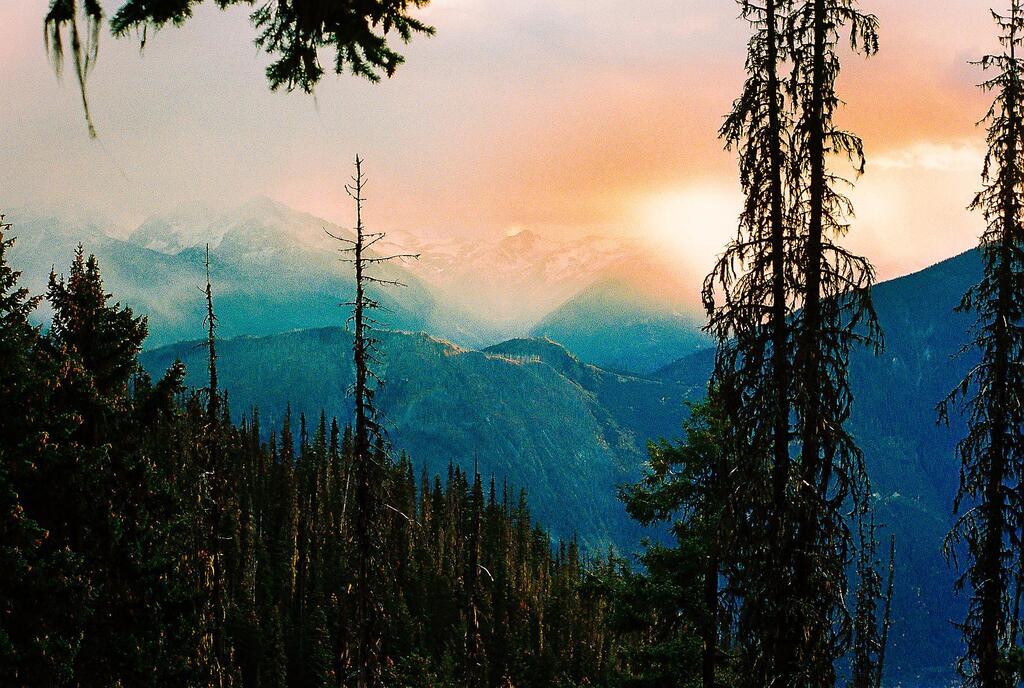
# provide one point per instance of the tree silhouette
(219, 508)
(370, 441)
(992, 453)
(750, 298)
(689, 486)
(871, 623)
(835, 315)
(292, 32)
(213, 401)
(786, 304)
(39, 583)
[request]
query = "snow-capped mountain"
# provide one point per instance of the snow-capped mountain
(258, 230)
(511, 283)
(278, 268)
(508, 282)
(271, 270)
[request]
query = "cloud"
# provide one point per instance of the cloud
(571, 117)
(963, 156)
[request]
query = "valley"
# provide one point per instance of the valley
(565, 410)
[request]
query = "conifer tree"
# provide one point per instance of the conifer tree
(39, 583)
(217, 507)
(370, 442)
(835, 315)
(474, 570)
(104, 495)
(786, 304)
(685, 485)
(886, 613)
(992, 453)
(750, 297)
(870, 623)
(293, 32)
(213, 400)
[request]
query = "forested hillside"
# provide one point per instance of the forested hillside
(526, 409)
(557, 402)
(574, 432)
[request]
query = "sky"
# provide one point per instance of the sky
(568, 118)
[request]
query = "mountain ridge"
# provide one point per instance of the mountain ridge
(475, 292)
(571, 432)
(516, 413)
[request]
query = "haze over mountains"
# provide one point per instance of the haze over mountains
(566, 419)
(531, 411)
(273, 273)
(276, 269)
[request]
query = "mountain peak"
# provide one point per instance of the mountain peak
(522, 240)
(261, 226)
(540, 348)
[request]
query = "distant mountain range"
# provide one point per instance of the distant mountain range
(276, 269)
(527, 409)
(530, 411)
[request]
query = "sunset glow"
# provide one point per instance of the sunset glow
(557, 119)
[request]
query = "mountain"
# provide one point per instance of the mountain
(277, 269)
(525, 410)
(260, 232)
(910, 458)
(531, 411)
(510, 282)
(274, 269)
(614, 302)
(613, 323)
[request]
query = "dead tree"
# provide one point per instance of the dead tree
(215, 491)
(370, 441)
(213, 402)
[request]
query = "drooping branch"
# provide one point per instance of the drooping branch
(294, 33)
(992, 392)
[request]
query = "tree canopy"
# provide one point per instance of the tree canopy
(294, 33)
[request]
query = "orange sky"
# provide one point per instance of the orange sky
(574, 117)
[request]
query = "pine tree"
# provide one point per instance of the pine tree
(992, 453)
(105, 495)
(474, 570)
(213, 398)
(685, 485)
(293, 33)
(751, 296)
(787, 304)
(836, 314)
(40, 579)
(870, 624)
(217, 507)
(370, 442)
